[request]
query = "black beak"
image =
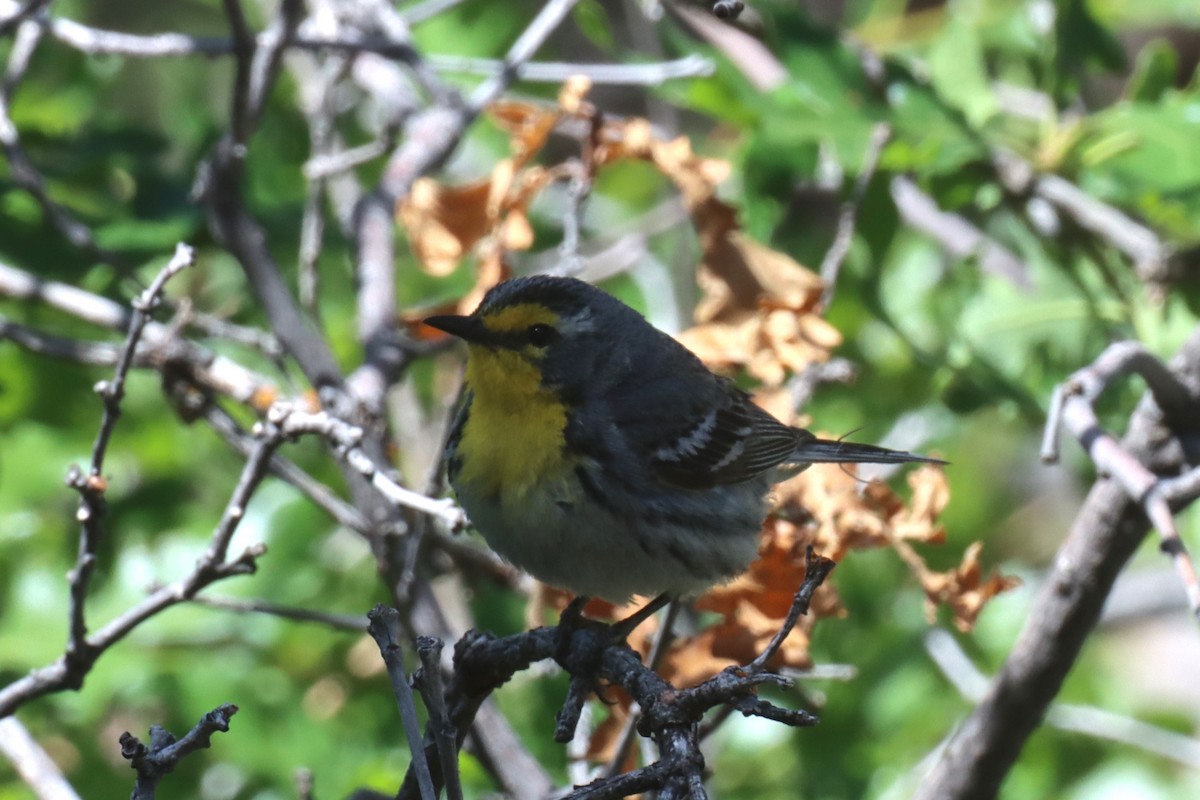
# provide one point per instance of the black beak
(469, 329)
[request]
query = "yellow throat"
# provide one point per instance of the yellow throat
(514, 435)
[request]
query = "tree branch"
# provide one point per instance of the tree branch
(33, 763)
(218, 373)
(1107, 531)
(590, 652)
(165, 751)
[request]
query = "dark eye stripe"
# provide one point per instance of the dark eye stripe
(541, 334)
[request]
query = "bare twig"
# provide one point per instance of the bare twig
(92, 506)
(427, 9)
(1074, 407)
(114, 392)
(589, 650)
(972, 684)
(322, 166)
(14, 14)
(1108, 223)
(103, 354)
(1107, 531)
(816, 569)
(97, 41)
(219, 184)
(210, 325)
(33, 763)
(380, 17)
(165, 751)
(342, 622)
(384, 628)
(264, 66)
(650, 74)
(215, 372)
(346, 440)
(429, 650)
(429, 139)
(955, 234)
(69, 670)
(835, 256)
(21, 169)
(662, 640)
(522, 50)
(376, 267)
(579, 185)
(430, 136)
(319, 111)
(316, 491)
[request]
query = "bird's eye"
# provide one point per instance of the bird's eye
(541, 334)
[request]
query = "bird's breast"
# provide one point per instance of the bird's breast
(513, 438)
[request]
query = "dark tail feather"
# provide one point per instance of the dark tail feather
(828, 451)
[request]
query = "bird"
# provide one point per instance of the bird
(601, 456)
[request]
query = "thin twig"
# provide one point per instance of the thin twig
(972, 684)
(1074, 408)
(649, 74)
(113, 392)
(658, 651)
(579, 185)
(219, 185)
(384, 628)
(816, 569)
(91, 488)
(33, 763)
(99, 354)
(1108, 223)
(316, 491)
(429, 650)
(319, 112)
(342, 622)
(214, 565)
(268, 53)
(12, 17)
(835, 256)
(322, 166)
(22, 171)
(213, 326)
(522, 50)
(955, 234)
(165, 751)
(346, 440)
(1109, 528)
(244, 46)
(215, 372)
(381, 17)
(427, 9)
(97, 41)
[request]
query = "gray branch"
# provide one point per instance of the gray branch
(1109, 528)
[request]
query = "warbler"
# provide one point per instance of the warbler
(601, 456)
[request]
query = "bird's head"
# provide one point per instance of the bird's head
(539, 332)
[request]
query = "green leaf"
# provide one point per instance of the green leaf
(958, 72)
(593, 23)
(1083, 41)
(1153, 73)
(1161, 151)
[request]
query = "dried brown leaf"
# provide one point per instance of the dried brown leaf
(444, 222)
(964, 589)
